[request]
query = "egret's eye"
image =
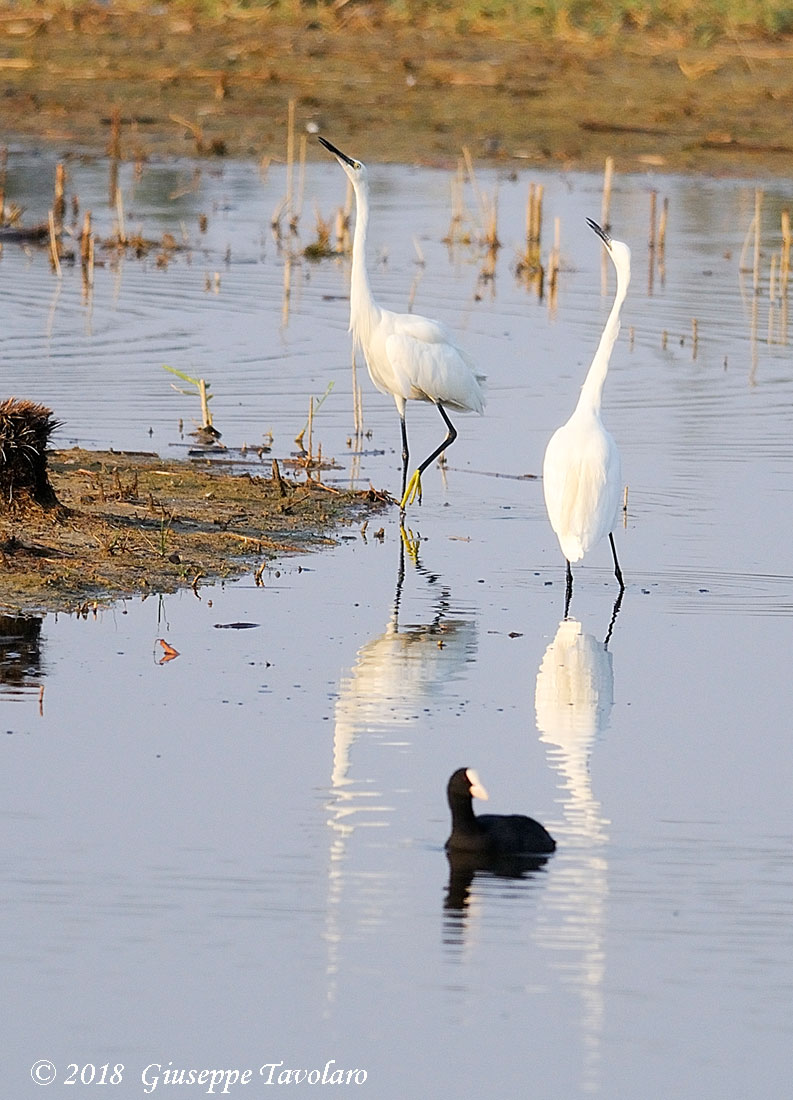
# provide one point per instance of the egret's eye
(356, 165)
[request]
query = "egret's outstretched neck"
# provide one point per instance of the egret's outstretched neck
(363, 308)
(592, 389)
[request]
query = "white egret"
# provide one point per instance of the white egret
(411, 357)
(582, 472)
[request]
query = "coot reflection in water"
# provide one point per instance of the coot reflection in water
(465, 866)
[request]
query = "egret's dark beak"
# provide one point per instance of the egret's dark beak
(337, 152)
(605, 238)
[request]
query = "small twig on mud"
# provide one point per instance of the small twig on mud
(279, 481)
(321, 485)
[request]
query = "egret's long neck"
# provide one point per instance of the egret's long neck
(363, 308)
(592, 389)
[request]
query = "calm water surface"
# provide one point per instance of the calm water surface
(236, 858)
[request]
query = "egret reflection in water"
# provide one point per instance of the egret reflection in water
(573, 699)
(397, 676)
(400, 672)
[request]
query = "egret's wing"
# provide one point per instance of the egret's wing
(554, 477)
(431, 332)
(420, 328)
(429, 367)
(582, 489)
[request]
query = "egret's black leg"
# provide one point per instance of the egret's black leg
(617, 570)
(614, 613)
(400, 575)
(568, 591)
(451, 435)
(405, 457)
(414, 486)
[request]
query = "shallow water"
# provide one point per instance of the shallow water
(236, 858)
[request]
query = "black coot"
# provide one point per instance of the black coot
(491, 835)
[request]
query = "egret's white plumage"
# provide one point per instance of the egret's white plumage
(411, 357)
(582, 472)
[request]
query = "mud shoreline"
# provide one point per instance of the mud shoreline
(133, 524)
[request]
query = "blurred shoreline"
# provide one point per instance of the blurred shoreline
(184, 82)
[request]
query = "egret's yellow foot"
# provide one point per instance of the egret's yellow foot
(411, 544)
(413, 490)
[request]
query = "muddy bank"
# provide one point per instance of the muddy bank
(394, 90)
(133, 524)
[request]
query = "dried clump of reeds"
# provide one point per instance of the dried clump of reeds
(25, 431)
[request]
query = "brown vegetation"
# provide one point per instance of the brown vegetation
(25, 431)
(559, 84)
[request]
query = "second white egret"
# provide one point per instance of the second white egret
(582, 471)
(411, 357)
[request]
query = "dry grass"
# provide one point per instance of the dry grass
(695, 87)
(25, 432)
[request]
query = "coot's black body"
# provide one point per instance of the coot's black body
(490, 835)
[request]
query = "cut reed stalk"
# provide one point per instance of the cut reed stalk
(114, 141)
(122, 229)
(530, 265)
(3, 172)
(87, 252)
(290, 156)
(59, 200)
(784, 267)
(758, 207)
(662, 225)
(605, 206)
(301, 183)
(206, 415)
(54, 246)
(454, 232)
(772, 296)
(469, 166)
(85, 239)
(534, 217)
(553, 263)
